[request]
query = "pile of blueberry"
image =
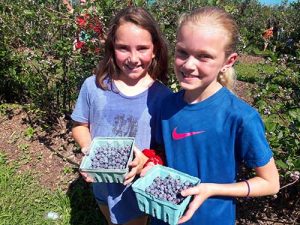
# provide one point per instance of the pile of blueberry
(168, 189)
(111, 157)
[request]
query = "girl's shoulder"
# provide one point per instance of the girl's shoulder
(159, 89)
(90, 85)
(240, 108)
(175, 95)
(91, 80)
(158, 83)
(238, 102)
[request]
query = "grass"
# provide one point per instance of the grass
(23, 201)
(253, 72)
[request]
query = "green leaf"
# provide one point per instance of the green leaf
(297, 164)
(28, 12)
(281, 164)
(295, 114)
(280, 135)
(270, 124)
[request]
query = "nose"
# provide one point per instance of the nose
(133, 58)
(189, 64)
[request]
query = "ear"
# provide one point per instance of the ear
(231, 59)
(154, 51)
(153, 54)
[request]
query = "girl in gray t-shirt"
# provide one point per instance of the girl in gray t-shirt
(123, 100)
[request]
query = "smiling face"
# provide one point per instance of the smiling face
(199, 58)
(134, 51)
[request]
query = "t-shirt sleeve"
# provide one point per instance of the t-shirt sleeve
(252, 143)
(82, 107)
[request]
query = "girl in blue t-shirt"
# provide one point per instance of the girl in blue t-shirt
(123, 100)
(207, 131)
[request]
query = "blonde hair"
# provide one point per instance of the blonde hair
(217, 17)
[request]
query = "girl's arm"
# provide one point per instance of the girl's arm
(81, 134)
(266, 182)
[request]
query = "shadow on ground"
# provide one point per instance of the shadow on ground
(84, 209)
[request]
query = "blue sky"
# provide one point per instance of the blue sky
(273, 2)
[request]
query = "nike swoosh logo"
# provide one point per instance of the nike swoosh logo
(178, 136)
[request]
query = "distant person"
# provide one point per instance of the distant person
(267, 35)
(71, 3)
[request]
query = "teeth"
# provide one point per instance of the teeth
(132, 67)
(188, 75)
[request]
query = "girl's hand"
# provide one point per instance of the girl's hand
(136, 165)
(201, 192)
(146, 168)
(85, 150)
(86, 177)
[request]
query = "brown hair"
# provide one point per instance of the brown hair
(217, 17)
(140, 17)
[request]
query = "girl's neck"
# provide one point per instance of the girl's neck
(134, 87)
(195, 96)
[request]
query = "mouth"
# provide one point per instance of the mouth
(184, 75)
(132, 67)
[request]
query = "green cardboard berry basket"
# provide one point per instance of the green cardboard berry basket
(161, 209)
(107, 175)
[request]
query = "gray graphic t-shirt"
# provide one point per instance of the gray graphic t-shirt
(112, 114)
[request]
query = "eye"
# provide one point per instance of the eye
(181, 53)
(204, 56)
(121, 48)
(142, 48)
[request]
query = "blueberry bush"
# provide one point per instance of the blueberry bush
(278, 100)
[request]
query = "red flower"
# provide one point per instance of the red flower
(96, 25)
(82, 20)
(79, 44)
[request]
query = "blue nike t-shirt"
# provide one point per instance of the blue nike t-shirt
(209, 140)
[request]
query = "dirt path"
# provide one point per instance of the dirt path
(50, 157)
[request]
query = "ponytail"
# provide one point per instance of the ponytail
(227, 78)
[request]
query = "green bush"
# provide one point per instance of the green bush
(278, 100)
(38, 64)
